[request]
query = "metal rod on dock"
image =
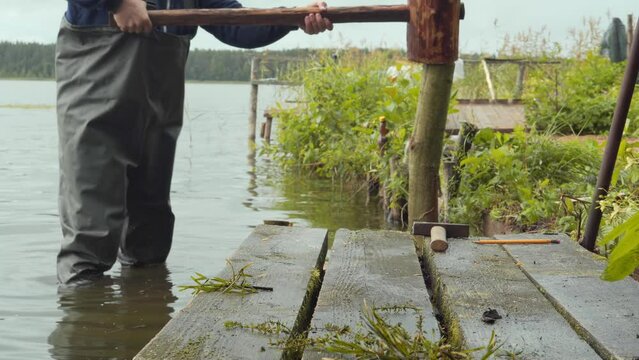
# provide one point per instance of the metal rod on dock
(612, 147)
(278, 16)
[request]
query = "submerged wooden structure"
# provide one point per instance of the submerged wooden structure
(550, 298)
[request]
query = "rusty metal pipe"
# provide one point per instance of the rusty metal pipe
(612, 147)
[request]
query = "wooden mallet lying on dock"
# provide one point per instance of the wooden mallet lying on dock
(433, 25)
(440, 232)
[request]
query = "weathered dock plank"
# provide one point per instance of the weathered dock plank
(283, 258)
(605, 313)
(379, 267)
(501, 116)
(470, 279)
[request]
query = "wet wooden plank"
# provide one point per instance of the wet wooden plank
(283, 258)
(470, 279)
(606, 314)
(379, 267)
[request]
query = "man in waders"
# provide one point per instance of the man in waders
(120, 105)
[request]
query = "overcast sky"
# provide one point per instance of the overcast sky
(487, 21)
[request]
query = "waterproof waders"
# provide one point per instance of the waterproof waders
(120, 106)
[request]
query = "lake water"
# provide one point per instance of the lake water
(218, 195)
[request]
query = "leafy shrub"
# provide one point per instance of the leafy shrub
(577, 97)
(520, 179)
(334, 133)
(622, 200)
(624, 259)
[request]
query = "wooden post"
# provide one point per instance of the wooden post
(489, 81)
(267, 129)
(520, 80)
(255, 65)
(433, 39)
(427, 142)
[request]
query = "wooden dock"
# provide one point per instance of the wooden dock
(289, 260)
(550, 298)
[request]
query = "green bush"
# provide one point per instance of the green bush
(335, 132)
(622, 200)
(576, 97)
(520, 179)
(624, 259)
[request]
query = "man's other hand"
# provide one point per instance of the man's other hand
(131, 17)
(315, 23)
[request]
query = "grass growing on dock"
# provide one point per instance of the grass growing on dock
(382, 340)
(237, 283)
(377, 340)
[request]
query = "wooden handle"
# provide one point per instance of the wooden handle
(517, 242)
(278, 16)
(438, 242)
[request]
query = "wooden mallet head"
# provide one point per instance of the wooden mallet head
(433, 31)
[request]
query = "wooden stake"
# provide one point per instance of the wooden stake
(520, 80)
(426, 144)
(267, 129)
(433, 39)
(255, 65)
(489, 81)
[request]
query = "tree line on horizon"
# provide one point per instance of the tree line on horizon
(20, 60)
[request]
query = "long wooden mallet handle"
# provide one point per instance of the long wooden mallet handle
(432, 34)
(278, 16)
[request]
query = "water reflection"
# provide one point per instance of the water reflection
(113, 318)
(326, 204)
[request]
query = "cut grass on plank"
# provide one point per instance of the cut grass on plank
(238, 283)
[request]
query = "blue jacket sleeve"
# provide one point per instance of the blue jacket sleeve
(90, 4)
(244, 36)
